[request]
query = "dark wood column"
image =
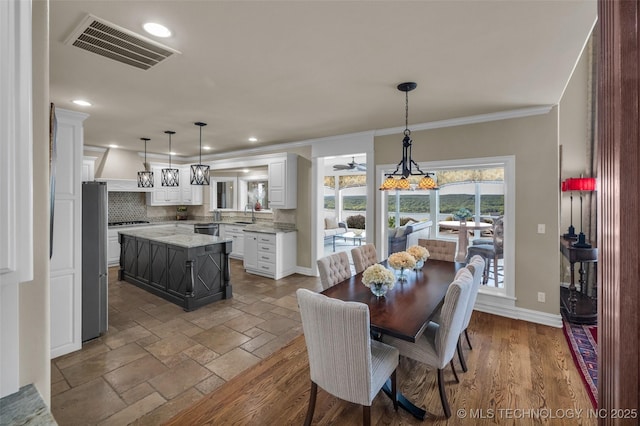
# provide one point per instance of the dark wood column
(618, 132)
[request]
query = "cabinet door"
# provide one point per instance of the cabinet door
(158, 265)
(250, 250)
(237, 248)
(173, 195)
(113, 249)
(277, 177)
(185, 185)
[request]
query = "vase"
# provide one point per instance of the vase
(419, 265)
(379, 289)
(401, 274)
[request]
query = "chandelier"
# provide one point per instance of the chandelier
(399, 179)
(145, 177)
(170, 176)
(200, 172)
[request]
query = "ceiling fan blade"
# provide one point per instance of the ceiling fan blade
(341, 167)
(361, 167)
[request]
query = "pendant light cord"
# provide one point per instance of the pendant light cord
(169, 150)
(407, 132)
(200, 144)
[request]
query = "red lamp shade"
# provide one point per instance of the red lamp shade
(579, 184)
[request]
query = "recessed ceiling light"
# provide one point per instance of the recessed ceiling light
(172, 153)
(245, 170)
(81, 102)
(112, 145)
(157, 29)
(252, 139)
(206, 148)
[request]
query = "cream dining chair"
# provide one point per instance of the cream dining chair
(343, 360)
(437, 345)
(364, 256)
(476, 267)
(333, 269)
(440, 249)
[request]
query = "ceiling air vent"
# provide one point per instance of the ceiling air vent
(111, 41)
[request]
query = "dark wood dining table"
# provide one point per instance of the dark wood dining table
(405, 311)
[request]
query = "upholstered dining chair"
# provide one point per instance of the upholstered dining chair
(439, 249)
(437, 345)
(333, 269)
(364, 256)
(476, 267)
(343, 360)
(490, 252)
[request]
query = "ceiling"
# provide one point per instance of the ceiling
(285, 71)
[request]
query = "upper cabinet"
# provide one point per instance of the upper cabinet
(184, 194)
(283, 184)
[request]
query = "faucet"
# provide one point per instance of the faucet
(253, 212)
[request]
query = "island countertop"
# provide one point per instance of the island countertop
(177, 237)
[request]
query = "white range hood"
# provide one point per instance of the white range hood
(123, 185)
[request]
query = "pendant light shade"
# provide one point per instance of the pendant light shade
(170, 176)
(200, 172)
(399, 179)
(145, 177)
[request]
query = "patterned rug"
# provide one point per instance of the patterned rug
(583, 343)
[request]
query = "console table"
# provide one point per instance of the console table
(577, 306)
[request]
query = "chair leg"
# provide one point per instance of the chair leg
(485, 273)
(366, 415)
(394, 390)
(463, 363)
(443, 394)
(453, 368)
(312, 404)
(495, 270)
(468, 341)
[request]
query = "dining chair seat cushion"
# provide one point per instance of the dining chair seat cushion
(364, 256)
(333, 269)
(484, 250)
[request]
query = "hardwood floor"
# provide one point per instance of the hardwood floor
(519, 373)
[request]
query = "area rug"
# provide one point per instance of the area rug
(583, 343)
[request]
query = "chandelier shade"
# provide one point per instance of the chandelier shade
(200, 172)
(399, 178)
(170, 176)
(581, 185)
(145, 177)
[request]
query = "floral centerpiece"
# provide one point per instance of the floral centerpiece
(420, 254)
(401, 261)
(378, 278)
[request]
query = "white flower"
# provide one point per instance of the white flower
(418, 252)
(378, 274)
(401, 259)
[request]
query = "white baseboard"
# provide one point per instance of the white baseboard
(505, 307)
(306, 271)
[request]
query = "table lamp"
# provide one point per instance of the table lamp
(571, 232)
(581, 184)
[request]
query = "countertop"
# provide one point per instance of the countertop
(261, 227)
(176, 237)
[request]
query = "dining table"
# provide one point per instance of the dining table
(405, 310)
(463, 238)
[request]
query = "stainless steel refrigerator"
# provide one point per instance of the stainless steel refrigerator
(94, 259)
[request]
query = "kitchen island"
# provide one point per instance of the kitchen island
(188, 269)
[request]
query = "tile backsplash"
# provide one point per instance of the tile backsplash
(127, 206)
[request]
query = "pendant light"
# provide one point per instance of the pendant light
(170, 176)
(200, 172)
(399, 180)
(145, 177)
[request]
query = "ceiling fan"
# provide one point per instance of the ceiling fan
(352, 165)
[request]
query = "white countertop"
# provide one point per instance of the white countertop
(176, 237)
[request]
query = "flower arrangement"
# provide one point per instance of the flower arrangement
(401, 260)
(378, 274)
(418, 252)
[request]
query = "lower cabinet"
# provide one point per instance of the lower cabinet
(236, 234)
(113, 248)
(270, 255)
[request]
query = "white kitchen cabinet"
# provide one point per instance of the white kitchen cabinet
(235, 233)
(184, 194)
(283, 184)
(270, 255)
(113, 248)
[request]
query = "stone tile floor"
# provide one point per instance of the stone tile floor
(157, 359)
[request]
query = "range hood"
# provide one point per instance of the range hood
(123, 185)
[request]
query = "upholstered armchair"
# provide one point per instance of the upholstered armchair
(343, 360)
(333, 269)
(364, 256)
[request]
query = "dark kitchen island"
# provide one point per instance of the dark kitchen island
(190, 270)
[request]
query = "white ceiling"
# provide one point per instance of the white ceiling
(294, 70)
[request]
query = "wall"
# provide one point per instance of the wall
(534, 143)
(34, 295)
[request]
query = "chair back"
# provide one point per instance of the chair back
(364, 256)
(338, 344)
(439, 249)
(452, 316)
(476, 267)
(333, 269)
(498, 236)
